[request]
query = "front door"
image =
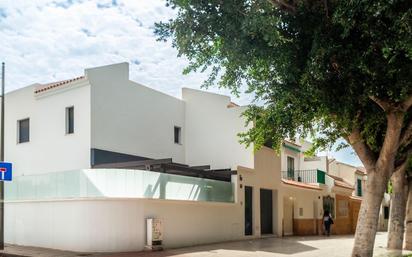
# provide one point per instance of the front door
(266, 211)
(329, 205)
(248, 210)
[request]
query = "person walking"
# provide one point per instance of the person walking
(327, 222)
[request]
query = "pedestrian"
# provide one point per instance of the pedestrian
(327, 222)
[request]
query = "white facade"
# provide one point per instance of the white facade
(129, 118)
(212, 131)
(49, 148)
(118, 225)
(115, 114)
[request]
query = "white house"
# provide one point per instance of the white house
(97, 155)
(117, 119)
(68, 139)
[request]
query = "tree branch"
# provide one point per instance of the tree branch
(406, 135)
(403, 158)
(401, 167)
(283, 4)
(407, 103)
(364, 152)
(391, 142)
(382, 103)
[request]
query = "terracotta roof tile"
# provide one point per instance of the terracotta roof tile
(300, 184)
(343, 184)
(48, 86)
(335, 177)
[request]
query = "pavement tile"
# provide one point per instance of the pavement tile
(311, 246)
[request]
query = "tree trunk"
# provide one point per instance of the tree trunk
(369, 214)
(408, 218)
(397, 213)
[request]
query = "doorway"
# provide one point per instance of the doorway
(248, 211)
(266, 211)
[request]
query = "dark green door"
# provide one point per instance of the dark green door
(248, 211)
(266, 211)
(359, 187)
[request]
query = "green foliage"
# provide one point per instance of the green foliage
(313, 69)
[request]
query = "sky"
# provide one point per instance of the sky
(43, 41)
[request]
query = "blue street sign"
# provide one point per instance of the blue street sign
(5, 171)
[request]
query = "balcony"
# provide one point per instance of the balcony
(305, 176)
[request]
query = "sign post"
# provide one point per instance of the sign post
(2, 159)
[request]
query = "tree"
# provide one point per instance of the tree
(399, 196)
(408, 215)
(326, 68)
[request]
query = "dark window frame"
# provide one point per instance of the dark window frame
(20, 137)
(69, 120)
(177, 135)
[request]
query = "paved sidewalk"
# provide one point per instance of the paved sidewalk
(313, 246)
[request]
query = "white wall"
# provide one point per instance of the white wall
(211, 131)
(133, 119)
(345, 171)
(117, 225)
(304, 198)
(49, 149)
(295, 155)
(319, 162)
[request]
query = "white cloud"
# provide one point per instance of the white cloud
(49, 40)
(44, 41)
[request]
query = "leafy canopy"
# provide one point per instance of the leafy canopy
(314, 64)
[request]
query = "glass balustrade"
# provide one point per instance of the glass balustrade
(121, 183)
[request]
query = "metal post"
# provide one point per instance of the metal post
(2, 159)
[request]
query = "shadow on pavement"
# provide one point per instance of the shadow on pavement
(286, 246)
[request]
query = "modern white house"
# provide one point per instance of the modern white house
(97, 155)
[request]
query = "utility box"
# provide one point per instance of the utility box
(154, 234)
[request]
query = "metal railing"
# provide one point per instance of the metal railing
(305, 176)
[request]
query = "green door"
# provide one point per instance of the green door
(359, 187)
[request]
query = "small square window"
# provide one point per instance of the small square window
(70, 120)
(178, 136)
(23, 131)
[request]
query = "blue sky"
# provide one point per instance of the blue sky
(43, 41)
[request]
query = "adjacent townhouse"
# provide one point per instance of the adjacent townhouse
(97, 155)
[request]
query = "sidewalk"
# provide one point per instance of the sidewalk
(312, 246)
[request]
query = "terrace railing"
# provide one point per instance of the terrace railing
(305, 176)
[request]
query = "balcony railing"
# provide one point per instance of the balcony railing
(305, 176)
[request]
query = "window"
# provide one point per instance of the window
(70, 120)
(291, 167)
(178, 136)
(23, 131)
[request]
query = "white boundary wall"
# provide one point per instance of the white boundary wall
(113, 225)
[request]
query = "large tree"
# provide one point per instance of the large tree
(331, 69)
(399, 195)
